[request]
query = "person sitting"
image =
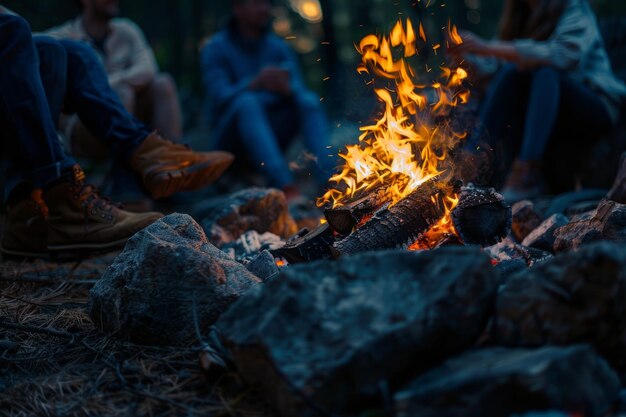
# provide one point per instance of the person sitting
(556, 73)
(256, 99)
(129, 62)
(50, 207)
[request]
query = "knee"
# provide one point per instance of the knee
(15, 27)
(49, 49)
(78, 49)
(246, 101)
(510, 72)
(164, 85)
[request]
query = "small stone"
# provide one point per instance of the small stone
(263, 266)
(167, 274)
(508, 250)
(525, 219)
(499, 382)
(543, 236)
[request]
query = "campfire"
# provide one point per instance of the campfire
(396, 187)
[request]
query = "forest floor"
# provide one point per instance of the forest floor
(54, 362)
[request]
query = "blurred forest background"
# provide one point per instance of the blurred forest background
(322, 31)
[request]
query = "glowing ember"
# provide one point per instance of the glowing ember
(408, 145)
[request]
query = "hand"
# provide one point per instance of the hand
(472, 44)
(273, 79)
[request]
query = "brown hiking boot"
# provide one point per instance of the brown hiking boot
(79, 219)
(26, 232)
(167, 168)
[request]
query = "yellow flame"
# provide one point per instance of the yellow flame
(406, 146)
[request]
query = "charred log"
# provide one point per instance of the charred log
(344, 219)
(482, 217)
(307, 247)
(399, 225)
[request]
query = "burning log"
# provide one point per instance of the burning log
(308, 246)
(344, 219)
(481, 218)
(399, 225)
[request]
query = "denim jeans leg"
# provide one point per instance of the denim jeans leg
(254, 130)
(53, 72)
(31, 143)
(91, 97)
(499, 107)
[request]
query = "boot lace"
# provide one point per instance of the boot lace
(93, 203)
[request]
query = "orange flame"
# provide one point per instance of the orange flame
(453, 34)
(407, 146)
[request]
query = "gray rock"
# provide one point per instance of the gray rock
(263, 266)
(575, 297)
(543, 236)
(331, 335)
(259, 209)
(498, 382)
(147, 295)
(608, 223)
(525, 219)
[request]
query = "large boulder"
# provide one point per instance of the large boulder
(259, 209)
(576, 297)
(166, 271)
(499, 382)
(332, 336)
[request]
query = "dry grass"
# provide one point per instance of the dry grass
(53, 362)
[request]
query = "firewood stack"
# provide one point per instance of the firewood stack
(368, 223)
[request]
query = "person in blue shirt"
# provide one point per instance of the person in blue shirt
(256, 98)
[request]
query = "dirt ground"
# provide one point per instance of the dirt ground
(54, 362)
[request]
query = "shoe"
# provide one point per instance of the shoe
(79, 219)
(523, 182)
(167, 168)
(26, 231)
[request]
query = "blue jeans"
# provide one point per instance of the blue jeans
(530, 106)
(260, 125)
(49, 76)
(30, 144)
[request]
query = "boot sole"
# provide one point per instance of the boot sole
(190, 178)
(89, 246)
(24, 254)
